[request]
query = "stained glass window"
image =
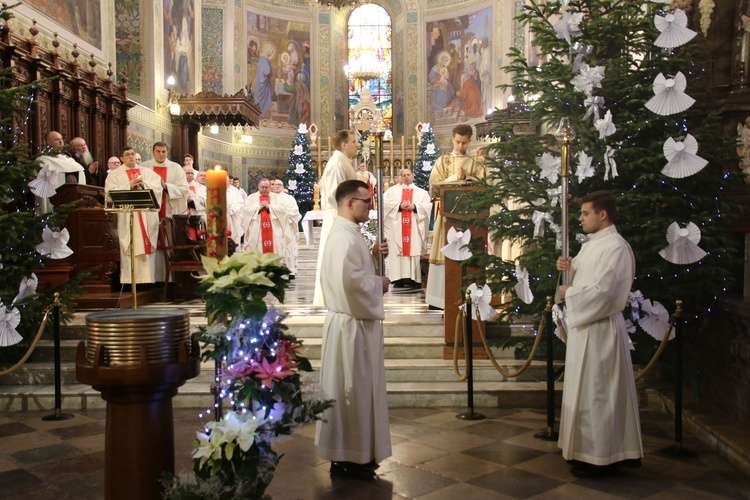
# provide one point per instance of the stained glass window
(369, 37)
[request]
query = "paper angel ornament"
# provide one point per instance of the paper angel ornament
(610, 165)
(584, 169)
(298, 150)
(299, 168)
(683, 160)
(605, 126)
(683, 244)
(669, 95)
(655, 320)
(456, 247)
(559, 317)
(54, 244)
(9, 320)
(550, 167)
(44, 184)
(426, 166)
(26, 288)
(568, 26)
(430, 149)
(292, 185)
(673, 29)
(302, 128)
(313, 133)
(588, 78)
(522, 288)
(480, 301)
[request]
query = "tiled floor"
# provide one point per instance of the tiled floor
(435, 456)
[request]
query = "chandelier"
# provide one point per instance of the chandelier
(366, 66)
(338, 4)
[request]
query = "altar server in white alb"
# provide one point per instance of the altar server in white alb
(265, 219)
(599, 422)
(406, 222)
(197, 195)
(234, 213)
(146, 231)
(291, 229)
(338, 169)
(354, 433)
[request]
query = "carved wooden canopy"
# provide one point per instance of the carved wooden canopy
(209, 108)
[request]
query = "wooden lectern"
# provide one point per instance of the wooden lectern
(456, 208)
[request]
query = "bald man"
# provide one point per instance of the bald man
(58, 168)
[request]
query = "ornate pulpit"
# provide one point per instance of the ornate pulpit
(456, 208)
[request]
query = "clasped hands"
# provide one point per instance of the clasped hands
(563, 264)
(137, 183)
(405, 205)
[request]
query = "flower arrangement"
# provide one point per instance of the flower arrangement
(258, 365)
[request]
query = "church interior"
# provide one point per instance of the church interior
(238, 86)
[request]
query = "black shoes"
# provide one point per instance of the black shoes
(353, 470)
(585, 470)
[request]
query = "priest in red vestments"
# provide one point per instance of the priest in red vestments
(264, 218)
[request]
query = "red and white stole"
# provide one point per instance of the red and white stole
(162, 172)
(147, 246)
(406, 220)
(266, 230)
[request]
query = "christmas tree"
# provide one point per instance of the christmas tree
(615, 69)
(300, 176)
(427, 156)
(21, 307)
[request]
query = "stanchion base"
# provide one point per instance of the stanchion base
(678, 452)
(547, 435)
(470, 415)
(58, 416)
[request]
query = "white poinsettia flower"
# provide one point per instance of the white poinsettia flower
(605, 126)
(584, 169)
(550, 167)
(588, 78)
(568, 26)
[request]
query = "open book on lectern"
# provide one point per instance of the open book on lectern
(132, 199)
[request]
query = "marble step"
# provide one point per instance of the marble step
(400, 394)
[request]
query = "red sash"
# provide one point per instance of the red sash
(148, 248)
(162, 172)
(266, 230)
(406, 219)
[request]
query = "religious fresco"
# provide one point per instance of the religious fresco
(459, 62)
(129, 53)
(83, 18)
(278, 68)
(179, 43)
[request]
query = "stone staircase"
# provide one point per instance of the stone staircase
(416, 374)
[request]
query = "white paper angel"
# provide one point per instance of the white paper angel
(568, 26)
(44, 184)
(298, 150)
(480, 301)
(584, 169)
(669, 95)
(430, 149)
(522, 288)
(655, 320)
(302, 128)
(292, 185)
(673, 29)
(610, 165)
(588, 78)
(683, 160)
(605, 126)
(550, 167)
(26, 288)
(299, 168)
(683, 244)
(313, 133)
(456, 248)
(54, 244)
(9, 320)
(426, 166)
(560, 317)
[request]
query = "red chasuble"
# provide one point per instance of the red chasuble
(162, 172)
(406, 220)
(266, 231)
(132, 174)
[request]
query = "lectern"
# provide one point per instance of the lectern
(458, 211)
(132, 201)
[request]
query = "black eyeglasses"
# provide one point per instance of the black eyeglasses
(365, 200)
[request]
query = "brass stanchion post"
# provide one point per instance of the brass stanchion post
(549, 433)
(58, 415)
(468, 352)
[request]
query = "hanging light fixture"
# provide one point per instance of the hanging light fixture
(366, 66)
(337, 4)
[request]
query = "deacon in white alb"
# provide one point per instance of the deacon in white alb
(234, 213)
(197, 195)
(291, 230)
(406, 219)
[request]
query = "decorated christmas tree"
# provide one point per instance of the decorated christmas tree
(629, 77)
(300, 175)
(27, 236)
(426, 157)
